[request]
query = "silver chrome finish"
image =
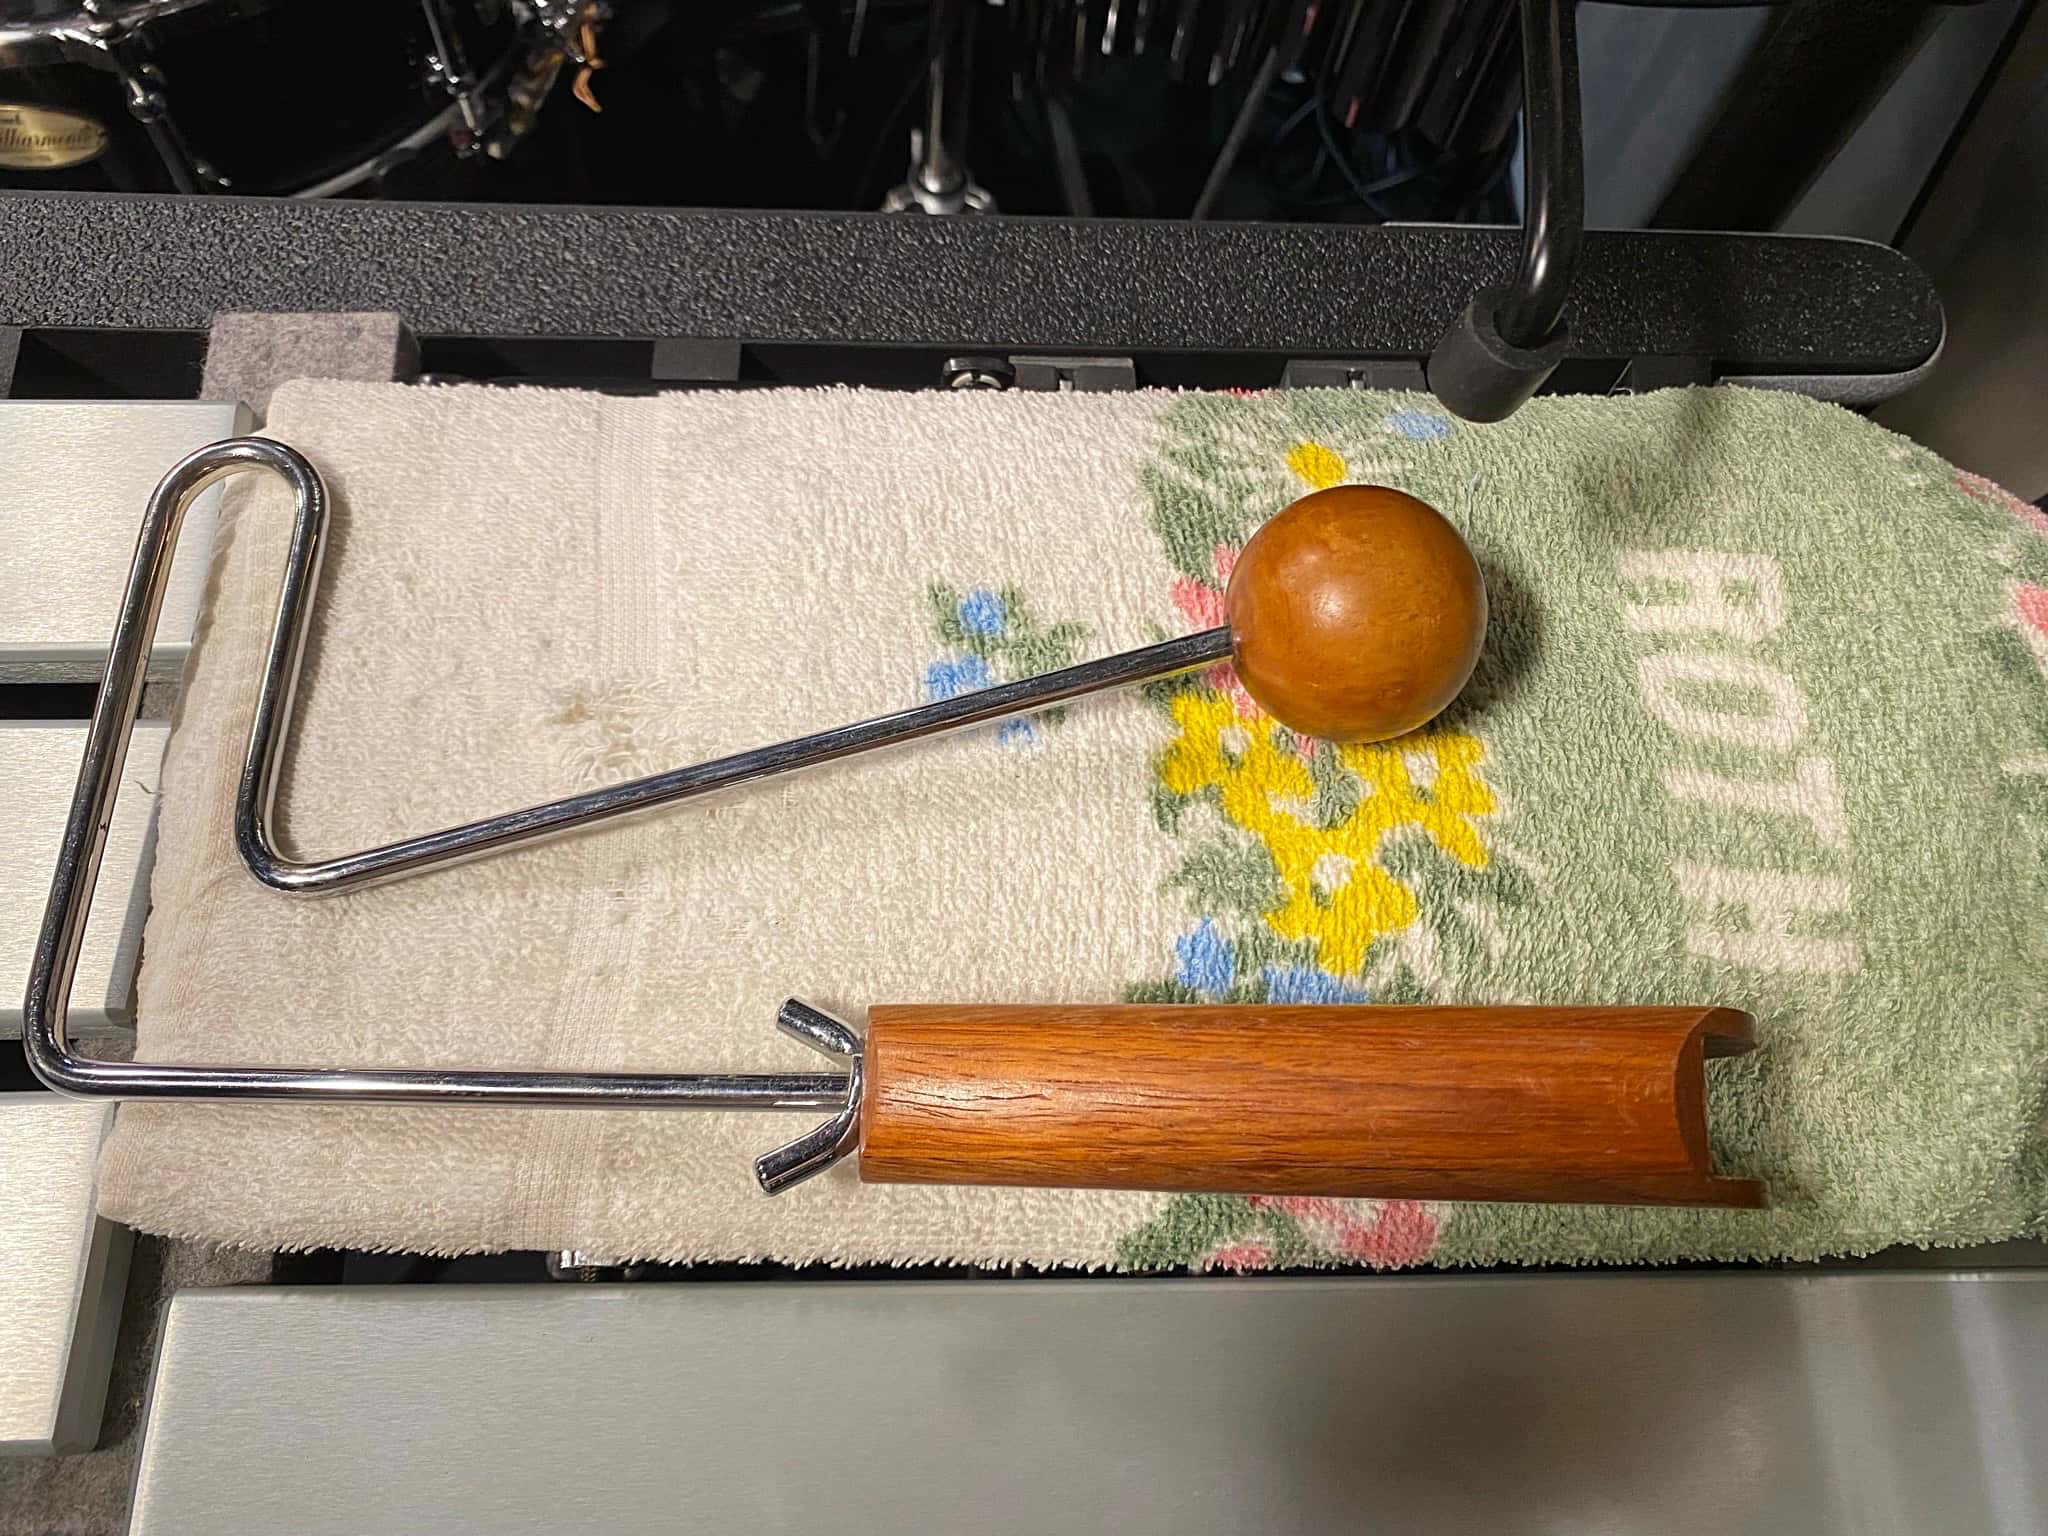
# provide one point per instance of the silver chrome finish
(106, 42)
(79, 39)
(448, 65)
(1817, 1404)
(820, 1031)
(817, 1150)
(99, 777)
(61, 1281)
(97, 42)
(974, 371)
(493, 834)
(148, 106)
(467, 110)
(939, 181)
(254, 834)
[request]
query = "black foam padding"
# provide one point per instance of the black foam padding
(1754, 304)
(1481, 375)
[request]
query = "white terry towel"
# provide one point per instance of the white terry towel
(531, 593)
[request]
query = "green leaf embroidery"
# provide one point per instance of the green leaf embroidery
(1226, 875)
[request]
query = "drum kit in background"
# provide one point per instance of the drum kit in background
(302, 98)
(1378, 109)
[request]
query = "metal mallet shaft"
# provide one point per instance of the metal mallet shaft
(1355, 614)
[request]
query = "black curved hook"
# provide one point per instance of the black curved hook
(1505, 344)
(1553, 174)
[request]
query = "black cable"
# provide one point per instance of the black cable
(1553, 174)
(1066, 156)
(1291, 37)
(1367, 192)
(1294, 120)
(1240, 130)
(1474, 208)
(1508, 341)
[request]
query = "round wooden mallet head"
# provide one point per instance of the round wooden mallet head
(1357, 614)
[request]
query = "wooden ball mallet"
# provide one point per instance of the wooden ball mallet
(1357, 614)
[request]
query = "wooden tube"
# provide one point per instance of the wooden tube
(1583, 1105)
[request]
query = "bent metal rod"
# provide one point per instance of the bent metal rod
(59, 1065)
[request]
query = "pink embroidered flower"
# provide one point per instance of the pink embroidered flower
(1199, 600)
(1251, 1254)
(2031, 603)
(1202, 604)
(1392, 1235)
(1223, 678)
(1405, 1234)
(1992, 494)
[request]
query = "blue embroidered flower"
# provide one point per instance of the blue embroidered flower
(990, 636)
(1206, 962)
(982, 613)
(1420, 426)
(1308, 984)
(950, 676)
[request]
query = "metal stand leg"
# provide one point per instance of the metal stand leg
(939, 180)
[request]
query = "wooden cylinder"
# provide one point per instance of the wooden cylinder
(1586, 1105)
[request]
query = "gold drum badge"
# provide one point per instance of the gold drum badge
(47, 139)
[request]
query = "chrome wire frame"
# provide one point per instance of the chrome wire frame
(44, 1040)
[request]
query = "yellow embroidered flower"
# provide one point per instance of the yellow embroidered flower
(1319, 467)
(1336, 892)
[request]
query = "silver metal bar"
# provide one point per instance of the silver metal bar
(942, 164)
(1517, 1405)
(78, 860)
(61, 1284)
(493, 834)
(939, 181)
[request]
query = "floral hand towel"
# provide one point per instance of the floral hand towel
(1762, 721)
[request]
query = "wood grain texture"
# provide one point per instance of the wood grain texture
(1582, 1105)
(1356, 614)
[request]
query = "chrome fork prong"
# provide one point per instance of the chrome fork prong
(818, 1149)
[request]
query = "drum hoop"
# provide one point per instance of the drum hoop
(95, 42)
(96, 34)
(79, 38)
(402, 149)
